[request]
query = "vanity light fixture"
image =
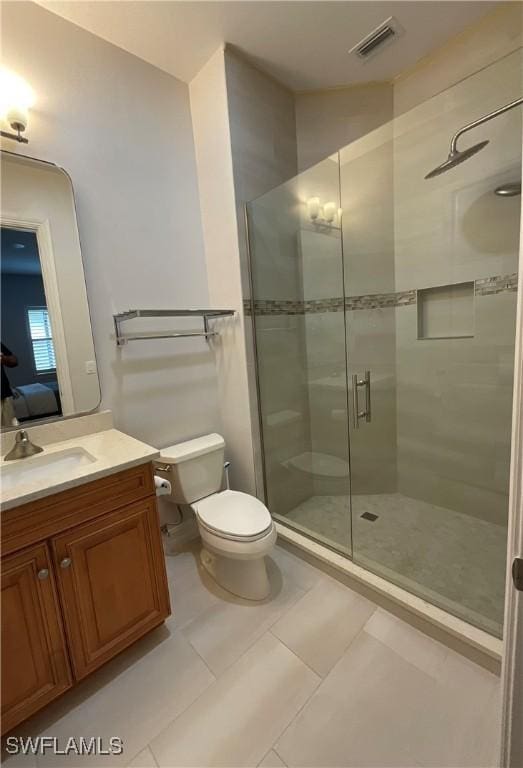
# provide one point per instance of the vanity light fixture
(16, 97)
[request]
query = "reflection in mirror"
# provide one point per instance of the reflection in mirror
(48, 362)
(29, 378)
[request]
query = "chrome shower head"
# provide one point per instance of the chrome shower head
(455, 158)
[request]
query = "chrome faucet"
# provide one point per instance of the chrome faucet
(23, 447)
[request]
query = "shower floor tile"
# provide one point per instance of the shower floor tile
(454, 560)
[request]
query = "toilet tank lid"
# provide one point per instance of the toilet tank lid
(191, 449)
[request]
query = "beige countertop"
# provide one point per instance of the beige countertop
(111, 450)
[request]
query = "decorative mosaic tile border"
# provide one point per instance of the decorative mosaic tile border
(381, 300)
(484, 286)
(323, 305)
(274, 307)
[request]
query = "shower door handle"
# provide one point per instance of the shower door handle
(356, 413)
(517, 573)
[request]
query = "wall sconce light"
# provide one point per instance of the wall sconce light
(322, 214)
(329, 212)
(16, 97)
(313, 208)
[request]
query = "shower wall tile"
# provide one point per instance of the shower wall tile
(327, 392)
(253, 404)
(452, 228)
(291, 258)
(329, 119)
(283, 388)
(262, 131)
(454, 396)
(262, 126)
(321, 263)
(371, 338)
(480, 45)
(454, 412)
(368, 218)
(274, 236)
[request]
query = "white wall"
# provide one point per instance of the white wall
(122, 129)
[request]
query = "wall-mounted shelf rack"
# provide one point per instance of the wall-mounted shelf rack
(131, 314)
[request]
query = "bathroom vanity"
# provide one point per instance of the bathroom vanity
(83, 571)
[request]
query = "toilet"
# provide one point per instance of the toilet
(236, 529)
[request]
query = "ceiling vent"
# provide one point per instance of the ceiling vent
(378, 39)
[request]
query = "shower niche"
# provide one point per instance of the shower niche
(446, 311)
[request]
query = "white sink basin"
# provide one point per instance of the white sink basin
(52, 466)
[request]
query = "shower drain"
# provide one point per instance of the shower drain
(369, 516)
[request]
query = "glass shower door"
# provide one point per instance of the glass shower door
(431, 290)
(299, 325)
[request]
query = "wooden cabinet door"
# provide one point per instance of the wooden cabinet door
(112, 581)
(35, 667)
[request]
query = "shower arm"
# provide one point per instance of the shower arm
(480, 121)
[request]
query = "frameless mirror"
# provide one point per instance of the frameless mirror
(48, 363)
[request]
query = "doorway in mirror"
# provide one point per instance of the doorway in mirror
(29, 386)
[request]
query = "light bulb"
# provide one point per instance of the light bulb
(313, 207)
(329, 212)
(16, 97)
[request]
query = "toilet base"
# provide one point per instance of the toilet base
(244, 578)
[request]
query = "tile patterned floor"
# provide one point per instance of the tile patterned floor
(454, 560)
(315, 676)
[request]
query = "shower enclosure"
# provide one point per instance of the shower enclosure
(384, 310)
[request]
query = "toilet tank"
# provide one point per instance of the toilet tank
(196, 467)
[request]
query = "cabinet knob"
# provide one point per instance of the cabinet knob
(65, 563)
(43, 573)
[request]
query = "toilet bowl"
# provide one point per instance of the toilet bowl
(236, 529)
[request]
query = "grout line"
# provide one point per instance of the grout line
(300, 710)
(265, 755)
(263, 758)
(182, 711)
(358, 633)
(277, 753)
(294, 653)
(152, 753)
(268, 628)
(215, 676)
(307, 700)
(147, 746)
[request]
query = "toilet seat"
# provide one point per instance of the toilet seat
(234, 515)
